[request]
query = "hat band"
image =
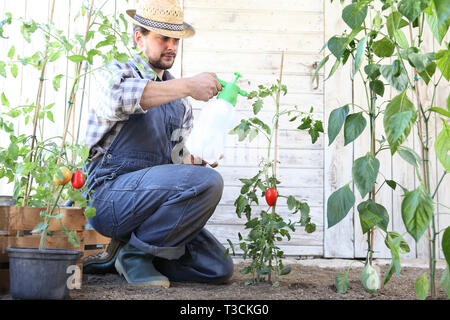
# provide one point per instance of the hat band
(159, 25)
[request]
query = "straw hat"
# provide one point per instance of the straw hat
(164, 17)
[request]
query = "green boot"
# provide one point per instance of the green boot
(137, 267)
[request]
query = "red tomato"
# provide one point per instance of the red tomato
(271, 196)
(78, 179)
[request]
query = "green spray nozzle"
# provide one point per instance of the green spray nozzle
(230, 90)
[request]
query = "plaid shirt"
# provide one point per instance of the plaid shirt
(118, 94)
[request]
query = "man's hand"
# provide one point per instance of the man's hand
(204, 86)
(191, 160)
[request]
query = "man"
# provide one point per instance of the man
(153, 201)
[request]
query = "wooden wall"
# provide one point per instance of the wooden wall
(248, 37)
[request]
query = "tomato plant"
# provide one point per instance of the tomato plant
(267, 228)
(41, 167)
(386, 47)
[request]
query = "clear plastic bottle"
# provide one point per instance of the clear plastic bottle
(217, 117)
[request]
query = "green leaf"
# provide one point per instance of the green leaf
(89, 212)
(291, 202)
(395, 75)
(121, 57)
(442, 146)
(383, 48)
(339, 204)
(14, 70)
(11, 52)
(257, 106)
(310, 228)
(285, 271)
(360, 54)
(417, 211)
(393, 23)
(391, 238)
(399, 117)
(2, 69)
(446, 245)
(421, 286)
(428, 72)
(337, 45)
(411, 9)
(4, 100)
(445, 280)
(440, 111)
(391, 183)
(341, 282)
(442, 11)
(443, 63)
(400, 38)
(319, 66)
(260, 123)
(353, 127)
(336, 121)
(438, 30)
(372, 70)
(365, 172)
(420, 61)
(354, 15)
(57, 81)
(372, 214)
(76, 58)
(377, 86)
(410, 156)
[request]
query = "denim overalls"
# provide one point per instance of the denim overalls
(141, 197)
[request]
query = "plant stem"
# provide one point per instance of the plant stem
(425, 169)
(49, 216)
(38, 107)
(73, 91)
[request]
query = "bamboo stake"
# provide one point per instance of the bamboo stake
(276, 118)
(38, 107)
(73, 93)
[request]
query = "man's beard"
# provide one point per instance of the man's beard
(160, 64)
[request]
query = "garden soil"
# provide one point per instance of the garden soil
(310, 279)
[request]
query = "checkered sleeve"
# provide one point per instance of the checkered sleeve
(119, 92)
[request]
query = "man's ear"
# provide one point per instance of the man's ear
(138, 37)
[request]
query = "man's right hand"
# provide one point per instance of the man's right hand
(204, 86)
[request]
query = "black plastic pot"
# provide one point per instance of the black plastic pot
(40, 274)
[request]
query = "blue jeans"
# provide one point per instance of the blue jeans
(162, 210)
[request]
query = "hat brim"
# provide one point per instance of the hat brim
(187, 32)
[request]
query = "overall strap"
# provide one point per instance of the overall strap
(137, 70)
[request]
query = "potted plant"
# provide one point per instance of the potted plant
(47, 171)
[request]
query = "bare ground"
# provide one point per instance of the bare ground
(304, 282)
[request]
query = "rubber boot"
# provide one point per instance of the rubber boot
(103, 262)
(137, 267)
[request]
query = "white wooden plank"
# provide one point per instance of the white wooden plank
(257, 41)
(289, 158)
(244, 62)
(313, 196)
(255, 5)
(240, 20)
(338, 240)
(289, 177)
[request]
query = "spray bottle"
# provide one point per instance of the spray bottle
(217, 117)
